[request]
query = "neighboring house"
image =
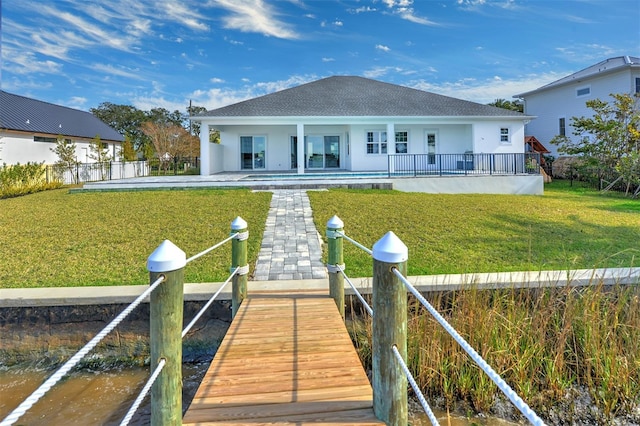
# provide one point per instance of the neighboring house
(345, 121)
(30, 128)
(556, 103)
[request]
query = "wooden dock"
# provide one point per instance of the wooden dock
(286, 359)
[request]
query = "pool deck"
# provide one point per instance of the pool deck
(242, 180)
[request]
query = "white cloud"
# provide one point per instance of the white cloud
(338, 23)
(362, 9)
(219, 97)
(404, 9)
(255, 16)
(488, 90)
(328, 59)
(120, 72)
(216, 80)
(383, 48)
(178, 12)
(378, 72)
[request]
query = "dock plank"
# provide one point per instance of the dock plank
(286, 359)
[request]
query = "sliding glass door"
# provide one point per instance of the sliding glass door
(252, 152)
(320, 152)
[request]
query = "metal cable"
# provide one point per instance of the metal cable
(44, 388)
(495, 377)
(364, 302)
(202, 253)
(416, 389)
(354, 242)
(206, 306)
(143, 393)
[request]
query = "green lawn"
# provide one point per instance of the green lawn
(565, 228)
(53, 238)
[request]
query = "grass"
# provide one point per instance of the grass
(567, 228)
(57, 239)
(546, 344)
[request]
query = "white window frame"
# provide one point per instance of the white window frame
(397, 142)
(378, 144)
(583, 89)
(562, 126)
(505, 137)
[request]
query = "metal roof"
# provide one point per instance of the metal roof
(606, 66)
(30, 115)
(349, 96)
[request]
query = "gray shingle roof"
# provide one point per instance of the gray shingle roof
(357, 97)
(30, 115)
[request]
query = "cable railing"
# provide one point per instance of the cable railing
(389, 315)
(166, 266)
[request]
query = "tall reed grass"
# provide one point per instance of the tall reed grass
(545, 342)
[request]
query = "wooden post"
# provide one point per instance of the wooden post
(335, 260)
(389, 329)
(239, 260)
(166, 332)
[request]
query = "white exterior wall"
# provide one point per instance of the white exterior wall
(20, 148)
(551, 105)
(480, 137)
(486, 138)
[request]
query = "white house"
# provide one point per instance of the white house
(345, 123)
(556, 103)
(30, 128)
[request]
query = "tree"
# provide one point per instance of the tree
(127, 120)
(214, 135)
(99, 152)
(510, 105)
(128, 152)
(65, 149)
(610, 138)
(171, 141)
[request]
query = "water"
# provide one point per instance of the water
(85, 397)
(316, 175)
(103, 398)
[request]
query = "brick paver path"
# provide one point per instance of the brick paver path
(291, 244)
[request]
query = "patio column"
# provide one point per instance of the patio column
(205, 168)
(300, 153)
(391, 138)
(391, 145)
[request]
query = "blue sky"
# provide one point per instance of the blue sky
(161, 53)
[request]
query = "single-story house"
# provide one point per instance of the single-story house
(354, 124)
(30, 128)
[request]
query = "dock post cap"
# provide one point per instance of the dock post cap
(238, 224)
(390, 249)
(335, 223)
(167, 257)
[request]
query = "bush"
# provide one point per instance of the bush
(22, 179)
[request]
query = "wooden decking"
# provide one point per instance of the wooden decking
(286, 359)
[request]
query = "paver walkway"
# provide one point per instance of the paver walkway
(291, 245)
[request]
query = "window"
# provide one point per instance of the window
(47, 139)
(637, 84)
(583, 91)
(562, 131)
(504, 135)
(376, 142)
(431, 148)
(402, 139)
